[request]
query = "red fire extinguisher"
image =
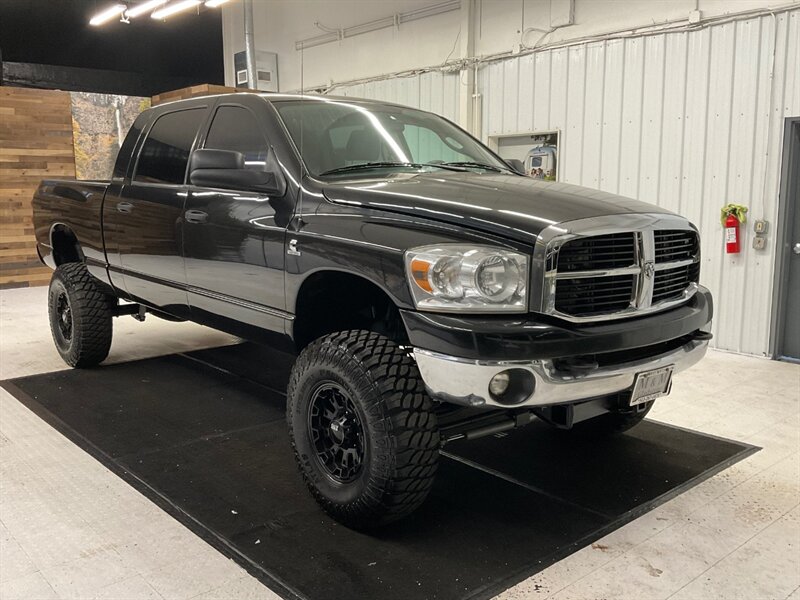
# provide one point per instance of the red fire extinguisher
(732, 245)
(733, 215)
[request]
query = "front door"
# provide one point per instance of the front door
(234, 239)
(789, 322)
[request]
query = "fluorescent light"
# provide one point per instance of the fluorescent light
(107, 14)
(145, 7)
(214, 3)
(175, 7)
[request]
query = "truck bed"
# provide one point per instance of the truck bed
(74, 205)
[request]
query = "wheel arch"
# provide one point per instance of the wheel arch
(65, 245)
(330, 300)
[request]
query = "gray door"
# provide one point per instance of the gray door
(789, 323)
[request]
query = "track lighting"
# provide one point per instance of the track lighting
(107, 14)
(145, 7)
(175, 7)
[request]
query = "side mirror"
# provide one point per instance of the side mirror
(517, 165)
(225, 169)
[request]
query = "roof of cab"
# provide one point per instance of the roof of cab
(278, 97)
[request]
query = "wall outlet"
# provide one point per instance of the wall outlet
(760, 226)
(759, 243)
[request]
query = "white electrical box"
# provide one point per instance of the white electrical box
(266, 70)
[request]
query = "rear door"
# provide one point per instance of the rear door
(234, 239)
(146, 216)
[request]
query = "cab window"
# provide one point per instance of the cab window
(236, 128)
(165, 152)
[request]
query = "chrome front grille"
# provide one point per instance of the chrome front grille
(611, 251)
(617, 274)
(675, 244)
(594, 295)
(669, 284)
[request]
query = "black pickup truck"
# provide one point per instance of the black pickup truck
(431, 291)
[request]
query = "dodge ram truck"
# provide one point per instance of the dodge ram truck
(431, 291)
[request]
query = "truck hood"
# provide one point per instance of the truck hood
(512, 206)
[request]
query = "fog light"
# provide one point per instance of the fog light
(512, 386)
(499, 383)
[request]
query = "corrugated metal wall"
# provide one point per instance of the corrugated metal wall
(686, 120)
(435, 91)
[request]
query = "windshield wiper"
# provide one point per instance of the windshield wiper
(476, 165)
(378, 165)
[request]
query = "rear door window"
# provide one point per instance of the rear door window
(165, 152)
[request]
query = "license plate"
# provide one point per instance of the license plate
(650, 385)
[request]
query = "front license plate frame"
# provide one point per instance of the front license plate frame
(652, 384)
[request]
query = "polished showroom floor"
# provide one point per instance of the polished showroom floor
(69, 528)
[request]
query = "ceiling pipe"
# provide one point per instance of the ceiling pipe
(334, 35)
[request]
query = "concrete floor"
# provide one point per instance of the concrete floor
(69, 528)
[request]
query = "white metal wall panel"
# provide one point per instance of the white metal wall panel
(611, 142)
(434, 91)
(673, 121)
(593, 77)
(632, 95)
(686, 120)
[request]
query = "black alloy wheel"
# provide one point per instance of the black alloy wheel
(337, 434)
(64, 316)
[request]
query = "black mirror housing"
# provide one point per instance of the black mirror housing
(216, 159)
(225, 169)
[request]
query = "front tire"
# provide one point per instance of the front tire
(362, 427)
(80, 316)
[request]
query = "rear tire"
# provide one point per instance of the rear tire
(363, 428)
(80, 316)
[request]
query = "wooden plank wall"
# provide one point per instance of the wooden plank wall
(35, 143)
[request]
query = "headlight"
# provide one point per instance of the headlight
(467, 278)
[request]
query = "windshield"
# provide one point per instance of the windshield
(339, 137)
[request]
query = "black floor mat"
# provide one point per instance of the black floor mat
(204, 436)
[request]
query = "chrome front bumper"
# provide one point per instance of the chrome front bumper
(464, 381)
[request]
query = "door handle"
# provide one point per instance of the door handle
(195, 216)
(124, 207)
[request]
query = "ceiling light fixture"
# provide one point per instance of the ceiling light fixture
(140, 9)
(107, 14)
(215, 3)
(176, 7)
